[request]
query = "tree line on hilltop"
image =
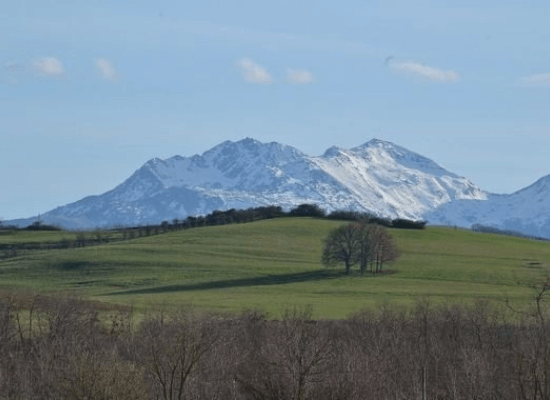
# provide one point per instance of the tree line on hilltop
(217, 217)
(505, 232)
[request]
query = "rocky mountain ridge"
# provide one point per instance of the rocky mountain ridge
(378, 177)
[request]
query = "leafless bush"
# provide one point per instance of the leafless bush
(286, 358)
(171, 350)
(67, 348)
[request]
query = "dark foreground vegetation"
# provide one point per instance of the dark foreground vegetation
(67, 348)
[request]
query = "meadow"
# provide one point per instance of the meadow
(273, 265)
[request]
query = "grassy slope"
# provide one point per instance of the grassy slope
(16, 237)
(33, 237)
(274, 264)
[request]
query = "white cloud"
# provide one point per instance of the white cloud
(299, 76)
(253, 73)
(425, 71)
(105, 68)
(49, 66)
(537, 80)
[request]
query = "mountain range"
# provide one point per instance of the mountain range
(377, 177)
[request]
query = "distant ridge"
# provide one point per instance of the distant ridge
(377, 177)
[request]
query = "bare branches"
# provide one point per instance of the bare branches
(342, 245)
(359, 243)
(431, 351)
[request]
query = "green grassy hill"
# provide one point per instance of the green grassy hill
(34, 237)
(275, 264)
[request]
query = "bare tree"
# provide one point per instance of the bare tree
(382, 247)
(173, 350)
(387, 250)
(367, 246)
(359, 243)
(342, 245)
(293, 357)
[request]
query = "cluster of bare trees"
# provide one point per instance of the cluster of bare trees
(366, 245)
(65, 348)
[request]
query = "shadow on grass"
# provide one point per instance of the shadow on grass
(73, 265)
(268, 280)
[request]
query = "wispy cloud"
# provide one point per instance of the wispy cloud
(8, 73)
(536, 80)
(105, 68)
(49, 66)
(425, 71)
(253, 73)
(299, 76)
(14, 67)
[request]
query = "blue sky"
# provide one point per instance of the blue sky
(89, 91)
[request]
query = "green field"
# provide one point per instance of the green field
(34, 237)
(275, 264)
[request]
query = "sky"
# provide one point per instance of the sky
(89, 91)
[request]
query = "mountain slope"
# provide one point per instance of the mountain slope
(395, 181)
(378, 176)
(526, 211)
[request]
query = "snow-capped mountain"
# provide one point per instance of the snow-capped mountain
(378, 177)
(394, 181)
(526, 211)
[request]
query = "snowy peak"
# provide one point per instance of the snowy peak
(379, 177)
(540, 187)
(379, 146)
(247, 165)
(142, 183)
(332, 152)
(248, 149)
(377, 149)
(378, 143)
(526, 211)
(394, 181)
